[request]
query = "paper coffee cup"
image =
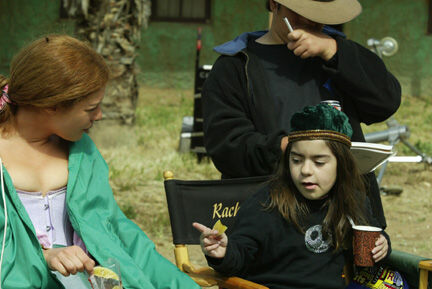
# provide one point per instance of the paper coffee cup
(363, 242)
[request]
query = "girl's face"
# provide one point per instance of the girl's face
(72, 122)
(313, 168)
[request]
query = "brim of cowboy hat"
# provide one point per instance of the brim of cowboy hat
(324, 12)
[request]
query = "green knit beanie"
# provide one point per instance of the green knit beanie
(320, 121)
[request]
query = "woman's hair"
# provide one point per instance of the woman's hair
(346, 198)
(51, 71)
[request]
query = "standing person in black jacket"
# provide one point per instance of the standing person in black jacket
(263, 77)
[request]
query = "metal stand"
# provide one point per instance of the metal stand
(393, 135)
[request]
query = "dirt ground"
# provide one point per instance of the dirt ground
(409, 215)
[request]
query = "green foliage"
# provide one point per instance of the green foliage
(425, 147)
(168, 79)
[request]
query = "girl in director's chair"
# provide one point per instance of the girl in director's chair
(295, 232)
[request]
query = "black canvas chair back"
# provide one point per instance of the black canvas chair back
(206, 202)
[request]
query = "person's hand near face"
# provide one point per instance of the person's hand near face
(309, 43)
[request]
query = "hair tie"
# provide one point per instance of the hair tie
(4, 99)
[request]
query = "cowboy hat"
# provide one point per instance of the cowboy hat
(324, 11)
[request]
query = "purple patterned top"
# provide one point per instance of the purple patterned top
(50, 219)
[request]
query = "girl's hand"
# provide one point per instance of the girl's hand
(68, 260)
(213, 244)
(307, 44)
(381, 248)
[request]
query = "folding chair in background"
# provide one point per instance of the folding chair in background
(206, 202)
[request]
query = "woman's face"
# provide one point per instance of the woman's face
(71, 122)
(313, 168)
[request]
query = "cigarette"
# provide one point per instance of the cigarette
(288, 25)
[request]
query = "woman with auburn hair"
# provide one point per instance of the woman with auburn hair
(59, 216)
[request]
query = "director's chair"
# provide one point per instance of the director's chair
(206, 202)
(210, 200)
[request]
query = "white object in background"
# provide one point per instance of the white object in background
(406, 159)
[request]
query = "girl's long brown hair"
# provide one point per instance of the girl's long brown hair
(50, 71)
(346, 198)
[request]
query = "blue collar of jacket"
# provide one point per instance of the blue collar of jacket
(240, 42)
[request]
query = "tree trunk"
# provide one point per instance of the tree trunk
(113, 27)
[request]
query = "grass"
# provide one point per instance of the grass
(167, 79)
(138, 155)
(416, 113)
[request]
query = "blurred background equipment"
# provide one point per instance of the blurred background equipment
(393, 135)
(192, 135)
(387, 46)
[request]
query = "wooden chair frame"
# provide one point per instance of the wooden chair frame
(425, 267)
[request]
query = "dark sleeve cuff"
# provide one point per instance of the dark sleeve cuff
(332, 62)
(213, 262)
(223, 265)
(389, 243)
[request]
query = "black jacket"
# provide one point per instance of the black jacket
(241, 134)
(264, 248)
